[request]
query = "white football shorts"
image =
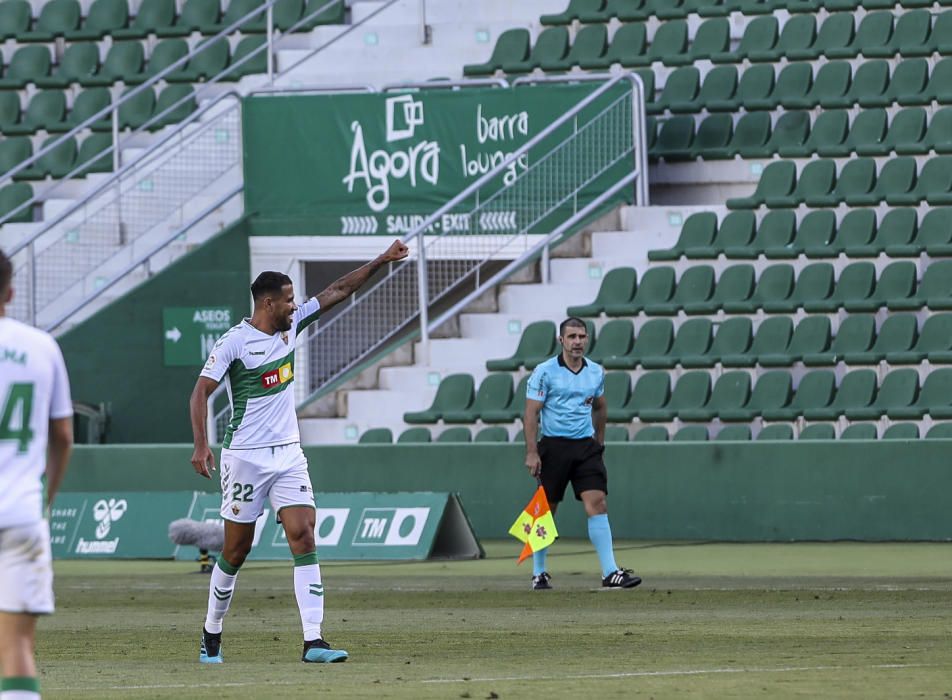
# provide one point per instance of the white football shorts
(249, 477)
(26, 569)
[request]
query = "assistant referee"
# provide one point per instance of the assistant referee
(567, 393)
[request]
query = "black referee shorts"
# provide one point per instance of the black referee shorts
(578, 461)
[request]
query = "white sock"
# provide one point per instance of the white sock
(19, 695)
(220, 592)
(309, 591)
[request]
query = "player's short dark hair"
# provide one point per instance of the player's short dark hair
(6, 272)
(268, 283)
(571, 321)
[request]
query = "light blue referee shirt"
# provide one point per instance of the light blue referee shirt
(566, 396)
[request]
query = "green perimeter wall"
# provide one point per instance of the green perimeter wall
(886, 490)
(116, 356)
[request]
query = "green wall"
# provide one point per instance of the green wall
(116, 356)
(886, 490)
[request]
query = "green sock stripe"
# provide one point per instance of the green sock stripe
(305, 559)
(20, 683)
(226, 567)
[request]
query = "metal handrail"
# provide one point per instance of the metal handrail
(50, 327)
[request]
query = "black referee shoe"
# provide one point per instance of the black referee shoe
(542, 582)
(623, 578)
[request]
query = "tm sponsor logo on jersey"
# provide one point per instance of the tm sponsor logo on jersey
(105, 513)
(276, 377)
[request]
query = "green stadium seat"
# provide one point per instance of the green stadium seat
(816, 181)
(897, 233)
(828, 137)
(868, 134)
(657, 286)
(735, 234)
(79, 63)
(513, 410)
(759, 39)
(14, 151)
(775, 235)
(414, 435)
(795, 42)
(901, 431)
(898, 390)
(455, 393)
(691, 433)
(457, 434)
(896, 184)
(494, 394)
(731, 391)
(940, 431)
(589, 47)
(935, 232)
(617, 390)
(696, 285)
(910, 37)
(855, 284)
(538, 340)
(777, 431)
(751, 136)
(654, 339)
(124, 62)
(551, 46)
(318, 12)
(896, 283)
(46, 108)
(651, 433)
(935, 182)
(792, 90)
(855, 335)
(614, 340)
(874, 32)
(493, 433)
(56, 19)
(258, 63)
(166, 53)
(28, 65)
(856, 178)
(836, 33)
(87, 104)
(651, 393)
(376, 436)
(897, 334)
(791, 132)
(909, 84)
(627, 48)
(815, 390)
(210, 62)
(818, 431)
(733, 339)
(755, 85)
(773, 390)
(778, 179)
(13, 197)
(712, 37)
(776, 283)
(104, 18)
(136, 111)
(152, 16)
(174, 105)
(719, 88)
(870, 84)
(676, 139)
(680, 88)
(938, 89)
(771, 339)
(934, 343)
(693, 338)
(195, 15)
(859, 431)
(512, 46)
(616, 433)
(236, 11)
(9, 110)
(618, 287)
(734, 288)
(814, 283)
(938, 136)
(733, 433)
(692, 391)
(830, 89)
(15, 16)
(94, 155)
(670, 39)
(576, 10)
(286, 13)
(853, 236)
(56, 163)
(697, 233)
(714, 8)
(934, 292)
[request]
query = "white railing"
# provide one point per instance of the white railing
(609, 141)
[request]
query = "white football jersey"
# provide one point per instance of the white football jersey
(259, 372)
(34, 389)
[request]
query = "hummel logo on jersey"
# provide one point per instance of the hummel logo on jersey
(260, 352)
(275, 377)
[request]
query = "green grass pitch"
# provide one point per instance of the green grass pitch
(710, 620)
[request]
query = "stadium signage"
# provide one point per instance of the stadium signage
(190, 333)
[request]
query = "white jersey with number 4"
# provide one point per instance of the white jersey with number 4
(34, 389)
(259, 371)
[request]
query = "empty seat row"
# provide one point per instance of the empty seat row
(63, 18)
(126, 62)
(763, 41)
(836, 85)
(773, 398)
(899, 234)
(900, 182)
(596, 11)
(377, 436)
(48, 111)
(872, 133)
(779, 289)
(700, 343)
(61, 160)
(456, 401)
(783, 431)
(12, 196)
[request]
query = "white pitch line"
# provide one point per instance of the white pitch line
(686, 672)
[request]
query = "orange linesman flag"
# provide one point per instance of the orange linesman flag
(535, 526)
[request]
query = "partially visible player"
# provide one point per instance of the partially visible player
(36, 437)
(261, 457)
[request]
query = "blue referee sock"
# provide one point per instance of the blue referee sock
(600, 533)
(538, 561)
